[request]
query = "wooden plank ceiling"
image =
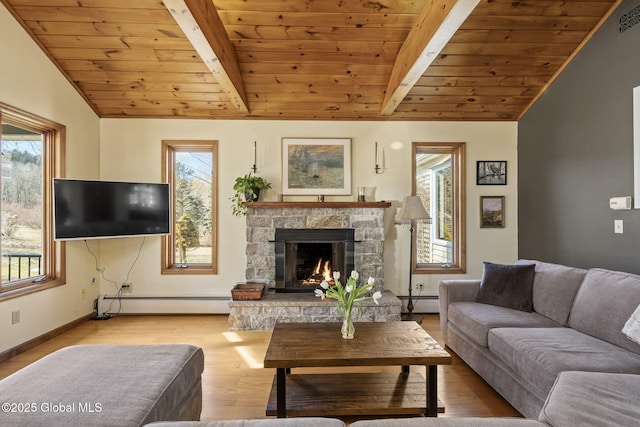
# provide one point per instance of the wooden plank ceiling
(309, 59)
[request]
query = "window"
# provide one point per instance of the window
(32, 150)
(190, 167)
(439, 176)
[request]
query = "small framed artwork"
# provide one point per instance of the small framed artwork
(316, 166)
(491, 211)
(491, 172)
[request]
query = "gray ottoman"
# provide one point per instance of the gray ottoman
(105, 385)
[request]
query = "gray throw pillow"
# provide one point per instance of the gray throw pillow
(508, 286)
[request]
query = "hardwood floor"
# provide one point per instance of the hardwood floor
(235, 384)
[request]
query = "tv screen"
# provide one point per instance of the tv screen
(102, 209)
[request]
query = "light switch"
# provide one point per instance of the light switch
(618, 226)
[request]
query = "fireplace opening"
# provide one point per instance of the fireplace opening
(313, 264)
(306, 257)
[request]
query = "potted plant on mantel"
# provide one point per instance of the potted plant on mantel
(247, 190)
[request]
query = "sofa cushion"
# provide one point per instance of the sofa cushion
(554, 288)
(606, 295)
(593, 399)
(269, 422)
(449, 422)
(507, 286)
(475, 319)
(540, 354)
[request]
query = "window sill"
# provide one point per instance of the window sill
(16, 291)
(439, 270)
(191, 269)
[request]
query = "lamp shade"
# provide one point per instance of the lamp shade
(411, 209)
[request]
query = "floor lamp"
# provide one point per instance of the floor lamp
(412, 210)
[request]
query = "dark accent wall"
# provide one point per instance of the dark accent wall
(575, 151)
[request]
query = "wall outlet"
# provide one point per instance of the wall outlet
(15, 317)
(127, 288)
(93, 280)
(618, 226)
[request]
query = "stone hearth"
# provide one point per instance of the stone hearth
(305, 308)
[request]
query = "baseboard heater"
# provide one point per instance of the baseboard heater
(427, 304)
(149, 304)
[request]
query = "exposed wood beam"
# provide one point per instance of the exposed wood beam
(437, 23)
(201, 24)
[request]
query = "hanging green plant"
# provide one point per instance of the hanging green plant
(247, 189)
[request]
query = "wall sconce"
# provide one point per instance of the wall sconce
(254, 168)
(378, 168)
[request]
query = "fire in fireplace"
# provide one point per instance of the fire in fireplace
(306, 257)
(313, 277)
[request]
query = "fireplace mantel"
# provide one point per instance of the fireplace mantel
(310, 205)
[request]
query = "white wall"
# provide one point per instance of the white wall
(29, 81)
(130, 150)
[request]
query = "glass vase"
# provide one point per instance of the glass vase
(348, 330)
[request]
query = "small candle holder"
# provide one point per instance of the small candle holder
(254, 168)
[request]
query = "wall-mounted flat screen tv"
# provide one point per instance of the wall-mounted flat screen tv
(104, 209)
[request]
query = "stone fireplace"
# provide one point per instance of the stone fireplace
(365, 219)
(350, 233)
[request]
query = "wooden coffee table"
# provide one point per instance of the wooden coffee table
(298, 345)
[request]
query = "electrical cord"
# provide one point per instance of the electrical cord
(119, 290)
(126, 280)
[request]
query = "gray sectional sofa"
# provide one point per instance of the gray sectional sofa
(575, 325)
(577, 399)
(560, 359)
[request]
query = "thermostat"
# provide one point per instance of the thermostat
(620, 203)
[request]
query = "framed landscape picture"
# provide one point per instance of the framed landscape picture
(316, 166)
(491, 211)
(491, 172)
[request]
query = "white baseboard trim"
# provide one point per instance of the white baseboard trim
(110, 304)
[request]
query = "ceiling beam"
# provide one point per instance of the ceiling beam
(436, 24)
(201, 24)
